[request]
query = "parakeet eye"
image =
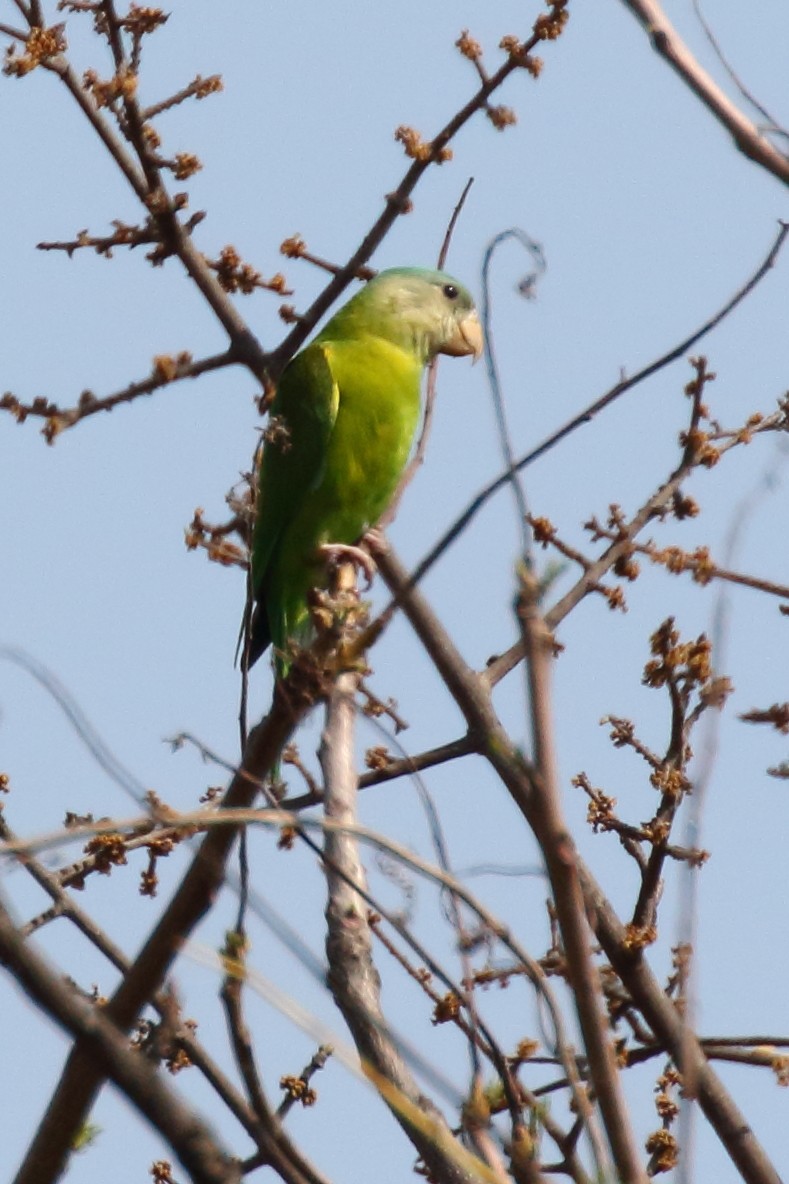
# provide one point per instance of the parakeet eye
(450, 291)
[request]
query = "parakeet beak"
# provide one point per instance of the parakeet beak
(467, 338)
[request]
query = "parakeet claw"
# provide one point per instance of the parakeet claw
(375, 541)
(354, 555)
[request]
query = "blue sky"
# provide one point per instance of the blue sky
(649, 220)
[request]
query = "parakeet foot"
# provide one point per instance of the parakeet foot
(355, 555)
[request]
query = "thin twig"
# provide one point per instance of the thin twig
(450, 230)
(772, 124)
(725, 1118)
(166, 371)
(234, 818)
(393, 768)
(316, 1063)
(244, 344)
(105, 758)
(398, 203)
(472, 696)
(702, 774)
(198, 88)
(71, 911)
(275, 1148)
(594, 571)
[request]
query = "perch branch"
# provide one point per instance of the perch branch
(353, 978)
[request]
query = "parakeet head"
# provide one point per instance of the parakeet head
(427, 312)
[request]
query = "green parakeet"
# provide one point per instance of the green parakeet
(343, 423)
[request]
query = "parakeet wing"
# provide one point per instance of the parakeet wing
(305, 407)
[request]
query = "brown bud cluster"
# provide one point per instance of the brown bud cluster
(501, 117)
(293, 247)
(236, 276)
(143, 19)
(298, 1089)
(470, 48)
(40, 46)
(186, 165)
(637, 937)
(418, 149)
(517, 52)
(663, 1151)
(168, 367)
(689, 662)
(551, 25)
(446, 1009)
(122, 85)
(377, 758)
(107, 850)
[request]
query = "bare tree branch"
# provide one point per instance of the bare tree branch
(669, 45)
(473, 699)
(275, 1148)
(166, 370)
(626, 1017)
(728, 1122)
(558, 850)
(82, 1078)
(353, 978)
(106, 1052)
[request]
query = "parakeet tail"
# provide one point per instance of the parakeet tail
(259, 635)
